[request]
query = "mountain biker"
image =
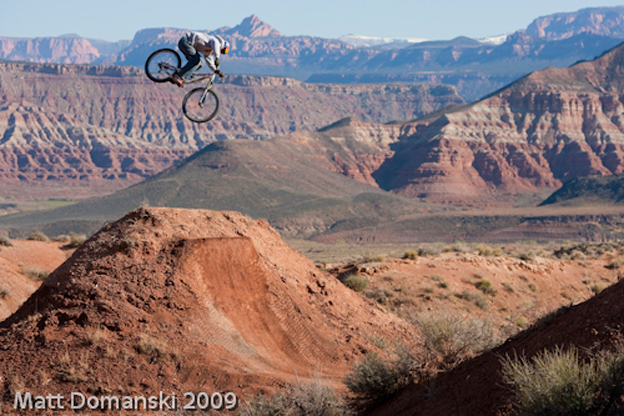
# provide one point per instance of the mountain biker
(194, 43)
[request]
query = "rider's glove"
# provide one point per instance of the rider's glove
(219, 73)
(217, 62)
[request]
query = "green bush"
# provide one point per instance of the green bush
(355, 282)
(485, 286)
(559, 382)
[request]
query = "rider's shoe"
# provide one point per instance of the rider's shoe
(177, 80)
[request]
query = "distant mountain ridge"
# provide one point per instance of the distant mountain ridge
(475, 68)
(97, 129)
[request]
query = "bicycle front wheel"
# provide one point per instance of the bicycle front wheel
(162, 64)
(200, 107)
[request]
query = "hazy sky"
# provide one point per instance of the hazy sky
(431, 19)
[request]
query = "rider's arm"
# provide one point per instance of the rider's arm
(214, 56)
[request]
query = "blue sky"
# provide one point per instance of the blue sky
(431, 19)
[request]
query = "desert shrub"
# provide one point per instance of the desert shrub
(485, 286)
(410, 255)
(379, 295)
(35, 273)
(440, 280)
(5, 240)
(597, 287)
(508, 287)
(263, 406)
(38, 236)
(430, 250)
(96, 336)
(376, 379)
(476, 298)
(76, 240)
(526, 256)
(155, 349)
(4, 292)
(484, 250)
(374, 258)
(559, 382)
(315, 399)
(450, 338)
(522, 322)
(355, 282)
(616, 263)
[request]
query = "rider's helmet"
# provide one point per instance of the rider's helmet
(225, 47)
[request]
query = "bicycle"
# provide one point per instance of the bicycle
(200, 104)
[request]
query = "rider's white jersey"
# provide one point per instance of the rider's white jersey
(208, 45)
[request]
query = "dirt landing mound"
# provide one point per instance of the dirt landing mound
(186, 300)
(475, 388)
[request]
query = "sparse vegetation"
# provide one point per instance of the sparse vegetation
(96, 336)
(522, 322)
(449, 338)
(597, 287)
(374, 258)
(355, 282)
(376, 379)
(560, 382)
(476, 298)
(5, 240)
(4, 292)
(314, 398)
(616, 263)
(379, 295)
(156, 350)
(485, 286)
(38, 236)
(35, 273)
(76, 240)
(410, 255)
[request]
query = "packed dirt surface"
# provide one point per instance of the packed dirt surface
(22, 267)
(187, 300)
(476, 388)
(511, 292)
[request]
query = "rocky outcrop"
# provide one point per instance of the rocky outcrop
(603, 21)
(48, 49)
(547, 128)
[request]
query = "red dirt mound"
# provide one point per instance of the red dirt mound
(186, 300)
(475, 388)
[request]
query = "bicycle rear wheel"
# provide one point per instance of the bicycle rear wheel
(198, 111)
(162, 64)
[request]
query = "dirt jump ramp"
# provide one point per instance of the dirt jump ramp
(187, 300)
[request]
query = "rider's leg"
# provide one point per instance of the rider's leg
(193, 57)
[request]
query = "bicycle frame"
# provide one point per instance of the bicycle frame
(208, 86)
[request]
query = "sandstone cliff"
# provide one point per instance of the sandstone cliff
(548, 127)
(104, 128)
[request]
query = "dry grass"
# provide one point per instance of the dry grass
(35, 274)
